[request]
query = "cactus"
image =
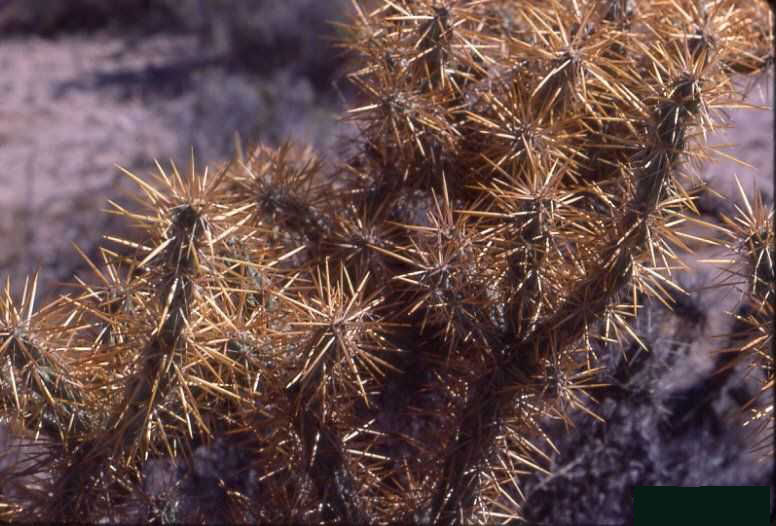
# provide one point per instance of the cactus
(381, 341)
(750, 237)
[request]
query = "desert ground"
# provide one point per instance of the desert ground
(83, 91)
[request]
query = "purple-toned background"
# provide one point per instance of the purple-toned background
(89, 84)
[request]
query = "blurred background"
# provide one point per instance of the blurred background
(86, 85)
(90, 84)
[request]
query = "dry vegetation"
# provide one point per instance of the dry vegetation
(385, 341)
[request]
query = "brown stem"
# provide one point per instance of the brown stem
(125, 431)
(489, 399)
(322, 450)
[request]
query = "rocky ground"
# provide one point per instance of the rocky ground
(83, 90)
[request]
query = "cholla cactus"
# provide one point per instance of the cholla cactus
(380, 342)
(750, 234)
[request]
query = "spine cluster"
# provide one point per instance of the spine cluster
(381, 341)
